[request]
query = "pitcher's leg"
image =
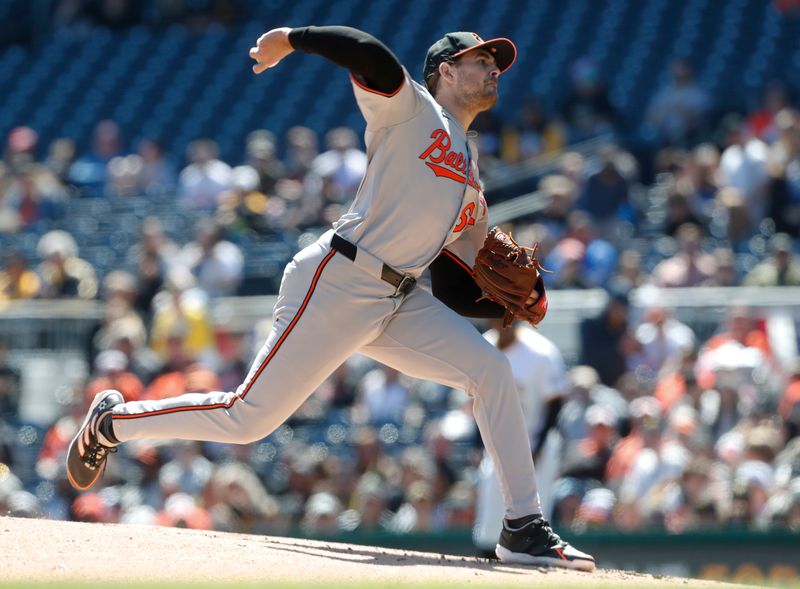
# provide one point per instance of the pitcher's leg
(427, 340)
(317, 326)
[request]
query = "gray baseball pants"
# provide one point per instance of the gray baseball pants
(329, 308)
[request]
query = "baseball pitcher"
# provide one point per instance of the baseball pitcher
(420, 205)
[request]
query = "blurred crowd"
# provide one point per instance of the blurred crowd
(658, 427)
(662, 432)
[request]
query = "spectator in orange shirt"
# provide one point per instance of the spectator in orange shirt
(646, 416)
(741, 331)
(789, 408)
(111, 372)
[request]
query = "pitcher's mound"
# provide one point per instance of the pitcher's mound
(43, 550)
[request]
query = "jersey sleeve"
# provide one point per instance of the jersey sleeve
(453, 284)
(384, 109)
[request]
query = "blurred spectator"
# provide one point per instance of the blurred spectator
(17, 281)
(677, 382)
(154, 173)
(761, 122)
(783, 188)
(201, 182)
(606, 192)
(690, 503)
(124, 176)
(587, 111)
(645, 416)
(180, 376)
(262, 157)
(600, 259)
(383, 396)
(182, 511)
(566, 261)
(339, 389)
(629, 270)
(244, 207)
(10, 380)
(754, 477)
(418, 512)
(690, 266)
(149, 259)
(120, 294)
(181, 322)
(321, 517)
(111, 372)
(586, 458)
(678, 113)
(596, 510)
(533, 135)
(743, 166)
(781, 270)
(581, 259)
(239, 502)
(90, 171)
(662, 339)
(652, 468)
(370, 506)
(489, 131)
(61, 154)
(740, 327)
(606, 340)
(234, 359)
(63, 273)
(217, 264)
(34, 196)
(20, 149)
(586, 391)
(725, 273)
(679, 211)
(789, 407)
(701, 180)
(560, 193)
(301, 150)
(91, 507)
(341, 167)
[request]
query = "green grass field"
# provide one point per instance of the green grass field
(365, 585)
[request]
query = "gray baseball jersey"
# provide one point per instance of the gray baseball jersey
(420, 194)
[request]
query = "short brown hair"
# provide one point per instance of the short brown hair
(432, 81)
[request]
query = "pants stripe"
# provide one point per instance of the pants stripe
(261, 368)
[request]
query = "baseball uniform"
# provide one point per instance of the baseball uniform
(420, 195)
(420, 205)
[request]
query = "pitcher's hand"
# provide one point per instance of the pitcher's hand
(270, 48)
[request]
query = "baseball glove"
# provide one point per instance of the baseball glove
(508, 273)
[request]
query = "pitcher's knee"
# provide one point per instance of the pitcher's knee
(247, 426)
(246, 436)
(493, 372)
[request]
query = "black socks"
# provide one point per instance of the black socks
(106, 428)
(521, 522)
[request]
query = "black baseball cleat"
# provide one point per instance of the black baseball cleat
(86, 458)
(534, 542)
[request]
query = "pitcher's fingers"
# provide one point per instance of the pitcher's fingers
(260, 67)
(254, 52)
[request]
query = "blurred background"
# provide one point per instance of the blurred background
(152, 189)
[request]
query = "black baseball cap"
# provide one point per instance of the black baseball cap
(453, 45)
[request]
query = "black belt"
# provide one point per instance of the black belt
(403, 283)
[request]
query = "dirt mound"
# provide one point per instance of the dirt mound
(42, 550)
